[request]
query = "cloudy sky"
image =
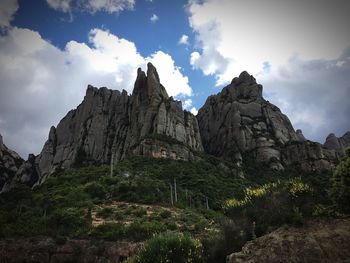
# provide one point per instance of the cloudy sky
(50, 50)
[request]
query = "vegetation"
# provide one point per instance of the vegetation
(215, 210)
(340, 189)
(169, 247)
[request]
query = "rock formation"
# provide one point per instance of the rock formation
(338, 144)
(239, 121)
(46, 250)
(316, 242)
(109, 124)
(10, 162)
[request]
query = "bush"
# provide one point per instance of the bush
(169, 247)
(95, 190)
(340, 188)
(109, 231)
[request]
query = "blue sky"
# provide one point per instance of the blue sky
(134, 25)
(51, 49)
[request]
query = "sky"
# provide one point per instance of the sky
(50, 50)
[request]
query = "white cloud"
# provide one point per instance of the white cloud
(7, 10)
(186, 104)
(183, 40)
(154, 18)
(194, 111)
(41, 83)
(170, 75)
(313, 94)
(234, 35)
(61, 5)
(92, 6)
(292, 47)
(109, 6)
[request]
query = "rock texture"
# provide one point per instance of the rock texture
(326, 242)
(339, 144)
(238, 121)
(46, 250)
(10, 162)
(109, 124)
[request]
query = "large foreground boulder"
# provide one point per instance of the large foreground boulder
(318, 241)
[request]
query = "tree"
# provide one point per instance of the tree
(340, 184)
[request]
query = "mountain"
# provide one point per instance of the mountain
(339, 144)
(239, 121)
(109, 126)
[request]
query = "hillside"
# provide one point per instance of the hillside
(137, 178)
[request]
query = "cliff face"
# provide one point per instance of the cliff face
(239, 120)
(339, 144)
(316, 242)
(109, 124)
(10, 163)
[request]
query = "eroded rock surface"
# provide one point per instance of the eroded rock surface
(109, 124)
(339, 144)
(238, 120)
(322, 241)
(46, 250)
(10, 162)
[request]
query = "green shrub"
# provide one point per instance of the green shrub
(169, 247)
(340, 188)
(105, 212)
(297, 218)
(95, 190)
(108, 231)
(165, 214)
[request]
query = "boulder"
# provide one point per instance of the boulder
(318, 241)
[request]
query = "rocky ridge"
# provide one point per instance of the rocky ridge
(10, 163)
(239, 121)
(110, 125)
(339, 144)
(315, 242)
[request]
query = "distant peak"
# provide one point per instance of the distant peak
(331, 135)
(152, 71)
(246, 77)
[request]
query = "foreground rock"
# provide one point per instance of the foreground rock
(46, 250)
(239, 121)
(316, 242)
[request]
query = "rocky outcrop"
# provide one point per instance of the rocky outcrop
(46, 250)
(238, 120)
(339, 144)
(109, 124)
(316, 242)
(10, 162)
(300, 135)
(89, 134)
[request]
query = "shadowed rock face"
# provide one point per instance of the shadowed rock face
(46, 250)
(316, 242)
(239, 120)
(109, 124)
(10, 162)
(339, 144)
